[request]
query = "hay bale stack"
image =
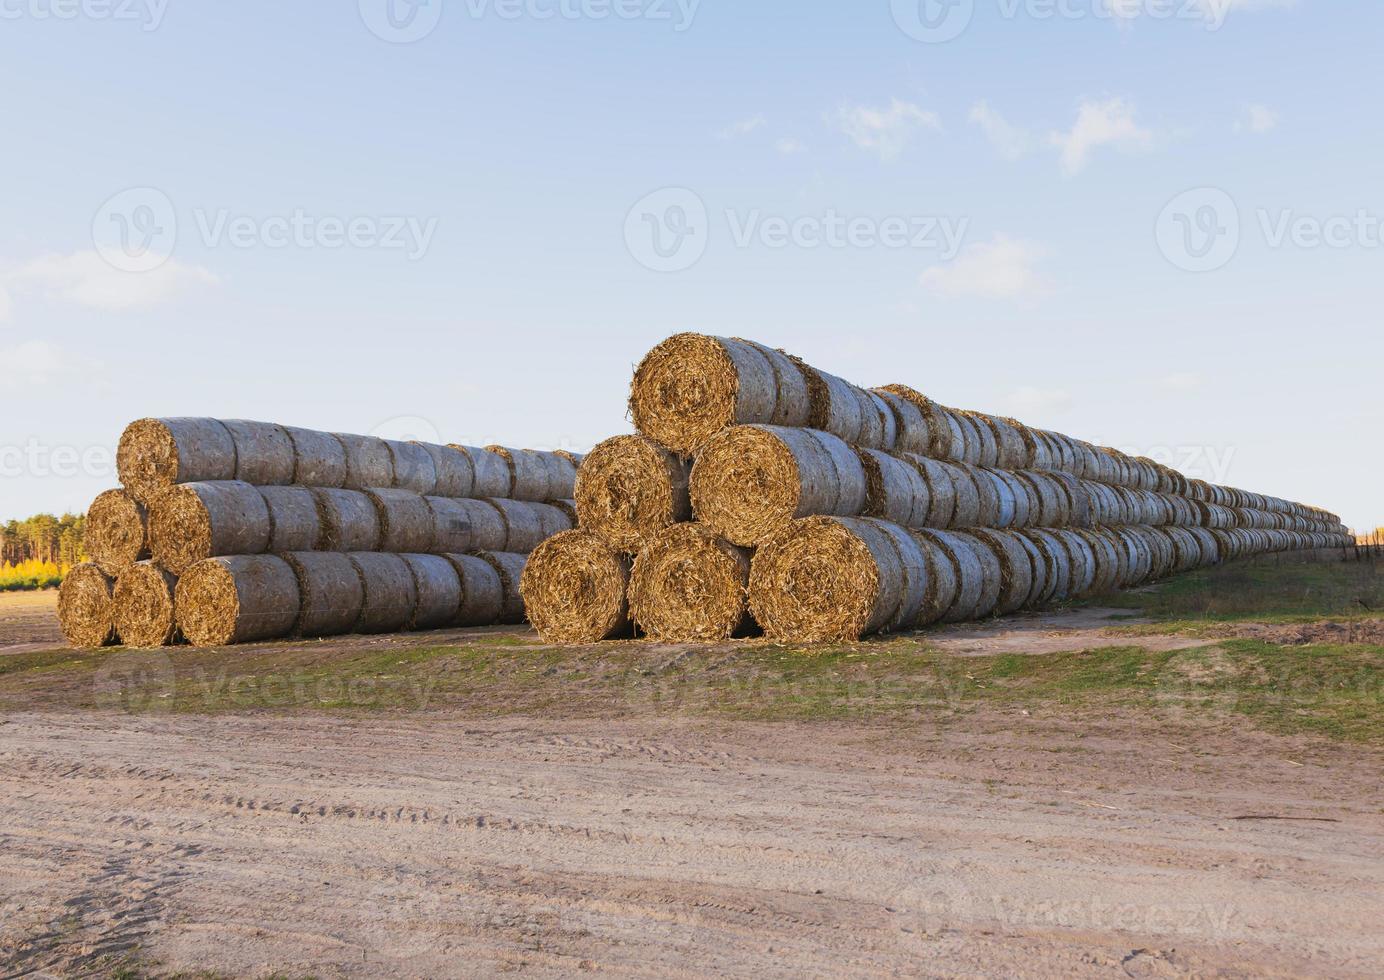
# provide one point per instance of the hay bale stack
(453, 472)
(391, 595)
(628, 489)
(896, 489)
(941, 483)
(294, 521)
(1057, 564)
(369, 463)
(859, 417)
(491, 473)
(528, 524)
(263, 452)
(967, 508)
(117, 531)
(438, 588)
(237, 599)
(193, 521)
(348, 518)
(509, 566)
(86, 610)
(1107, 561)
(943, 438)
(751, 480)
(405, 521)
(575, 589)
(319, 458)
(143, 610)
(692, 386)
(535, 475)
(688, 584)
(1016, 568)
(155, 454)
(482, 591)
(413, 467)
(912, 431)
(330, 590)
(460, 526)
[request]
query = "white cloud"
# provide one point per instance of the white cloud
(1256, 119)
(742, 128)
(1031, 402)
(88, 280)
(1011, 141)
(789, 146)
(1003, 266)
(884, 131)
(1108, 123)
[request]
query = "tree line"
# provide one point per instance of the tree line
(43, 538)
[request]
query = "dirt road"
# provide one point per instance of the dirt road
(432, 845)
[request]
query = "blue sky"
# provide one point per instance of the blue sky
(1151, 223)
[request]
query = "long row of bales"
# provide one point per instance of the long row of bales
(763, 494)
(759, 495)
(229, 531)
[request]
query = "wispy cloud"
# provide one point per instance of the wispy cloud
(1011, 141)
(788, 146)
(86, 279)
(1256, 119)
(884, 131)
(1098, 124)
(742, 128)
(1001, 267)
(38, 362)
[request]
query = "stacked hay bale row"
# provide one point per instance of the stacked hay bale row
(821, 510)
(202, 490)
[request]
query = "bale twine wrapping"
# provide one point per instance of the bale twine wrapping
(528, 473)
(527, 524)
(944, 439)
(86, 610)
(263, 452)
(575, 589)
(143, 606)
(510, 567)
(688, 584)
(912, 432)
(692, 386)
(438, 587)
(330, 592)
(491, 474)
(467, 525)
(895, 489)
(1083, 560)
(413, 467)
(158, 453)
(294, 521)
(1008, 502)
(482, 591)
(1057, 564)
(941, 488)
(835, 579)
(237, 599)
(967, 509)
(988, 449)
(971, 586)
(319, 458)
(193, 521)
(405, 520)
(847, 412)
(455, 475)
(1016, 568)
(390, 595)
(629, 489)
(349, 520)
(751, 480)
(1043, 584)
(1106, 562)
(1077, 512)
(369, 462)
(117, 531)
(942, 587)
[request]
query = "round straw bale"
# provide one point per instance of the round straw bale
(944, 439)
(86, 611)
(237, 599)
(263, 452)
(405, 521)
(1007, 504)
(1049, 495)
(368, 462)
(439, 591)
(688, 584)
(973, 591)
(966, 511)
(492, 476)
(987, 514)
(331, 593)
(569, 508)
(629, 489)
(1036, 455)
(562, 475)
(751, 480)
(295, 524)
(391, 597)
(941, 487)
(1077, 499)
(991, 574)
(1138, 559)
(692, 386)
(574, 589)
(467, 525)
(482, 592)
(523, 527)
(825, 579)
(143, 606)
(1011, 450)
(1164, 554)
(895, 489)
(510, 567)
(1025, 498)
(348, 518)
(157, 453)
(1057, 564)
(319, 458)
(911, 431)
(1210, 548)
(117, 531)
(456, 476)
(839, 407)
(1106, 563)
(972, 448)
(941, 588)
(193, 521)
(1043, 584)
(413, 466)
(1087, 461)
(528, 471)
(1083, 558)
(1016, 568)
(1186, 548)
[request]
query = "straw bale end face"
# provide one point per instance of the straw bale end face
(156, 453)
(143, 606)
(117, 531)
(816, 581)
(574, 589)
(685, 391)
(86, 608)
(237, 599)
(688, 584)
(629, 489)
